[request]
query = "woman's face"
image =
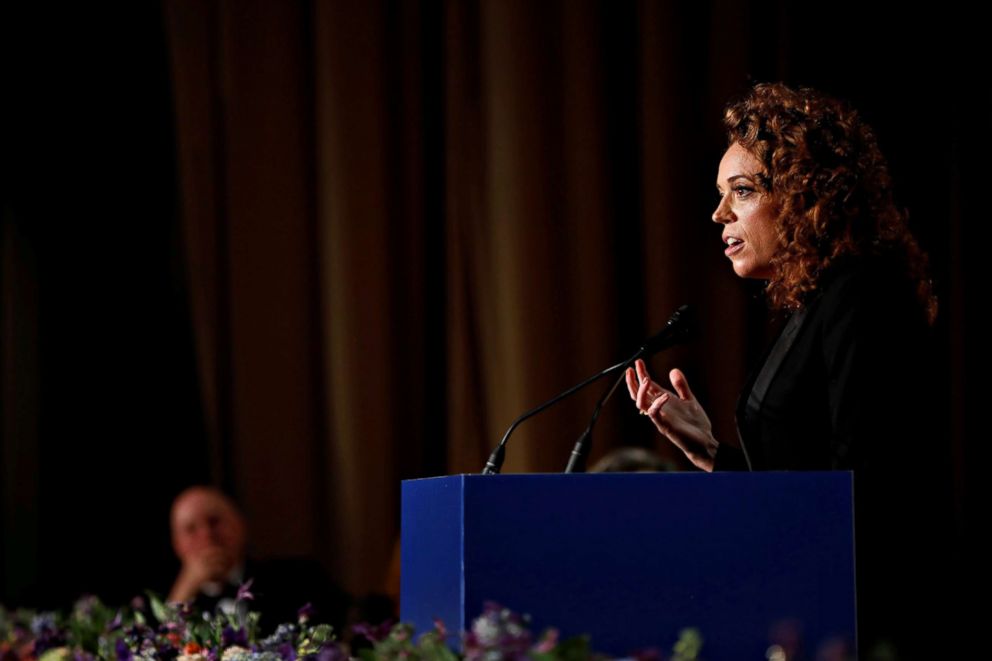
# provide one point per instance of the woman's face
(748, 214)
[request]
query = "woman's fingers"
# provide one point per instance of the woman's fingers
(680, 383)
(683, 422)
(642, 370)
(644, 395)
(656, 406)
(648, 395)
(632, 383)
(642, 389)
(656, 416)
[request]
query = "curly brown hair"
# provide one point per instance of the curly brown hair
(832, 187)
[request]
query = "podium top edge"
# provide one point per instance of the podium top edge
(754, 475)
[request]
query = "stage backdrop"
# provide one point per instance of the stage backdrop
(375, 232)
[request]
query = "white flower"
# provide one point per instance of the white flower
(235, 653)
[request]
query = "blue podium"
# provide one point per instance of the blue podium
(632, 559)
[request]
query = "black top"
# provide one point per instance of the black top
(281, 586)
(849, 385)
(839, 387)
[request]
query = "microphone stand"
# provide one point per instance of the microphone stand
(495, 462)
(680, 327)
(577, 460)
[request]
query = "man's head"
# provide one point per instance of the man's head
(205, 521)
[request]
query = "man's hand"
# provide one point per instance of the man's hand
(209, 566)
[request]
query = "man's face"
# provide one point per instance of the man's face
(204, 521)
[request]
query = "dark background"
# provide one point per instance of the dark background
(105, 413)
(101, 415)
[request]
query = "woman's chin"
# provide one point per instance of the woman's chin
(751, 273)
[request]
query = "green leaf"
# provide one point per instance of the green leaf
(688, 646)
(322, 633)
(56, 654)
(573, 649)
(161, 612)
(251, 626)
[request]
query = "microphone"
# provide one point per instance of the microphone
(678, 329)
(682, 327)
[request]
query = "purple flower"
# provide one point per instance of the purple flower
(184, 610)
(230, 637)
(47, 634)
(123, 651)
(373, 633)
(501, 631)
(331, 653)
(134, 632)
(514, 644)
(115, 623)
(244, 592)
(284, 633)
(306, 613)
(548, 642)
(164, 651)
(21, 634)
(42, 622)
(286, 652)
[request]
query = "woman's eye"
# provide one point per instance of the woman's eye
(743, 191)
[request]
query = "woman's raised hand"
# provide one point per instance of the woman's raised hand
(677, 415)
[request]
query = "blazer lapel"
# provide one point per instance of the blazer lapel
(761, 377)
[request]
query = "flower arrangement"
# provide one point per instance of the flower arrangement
(152, 630)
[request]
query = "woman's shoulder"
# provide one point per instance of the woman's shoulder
(879, 285)
(887, 271)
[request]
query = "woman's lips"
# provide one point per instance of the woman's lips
(733, 249)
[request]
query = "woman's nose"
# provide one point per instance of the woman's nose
(722, 213)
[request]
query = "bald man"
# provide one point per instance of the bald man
(208, 536)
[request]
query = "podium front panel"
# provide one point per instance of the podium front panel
(631, 559)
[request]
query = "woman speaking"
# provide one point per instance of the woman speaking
(806, 203)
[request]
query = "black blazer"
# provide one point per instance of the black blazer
(280, 587)
(841, 386)
(848, 385)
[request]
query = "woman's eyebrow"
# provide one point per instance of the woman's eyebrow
(732, 179)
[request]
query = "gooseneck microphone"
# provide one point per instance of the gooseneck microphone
(495, 462)
(679, 328)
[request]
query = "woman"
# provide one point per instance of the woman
(806, 204)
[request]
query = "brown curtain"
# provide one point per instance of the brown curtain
(408, 222)
(245, 143)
